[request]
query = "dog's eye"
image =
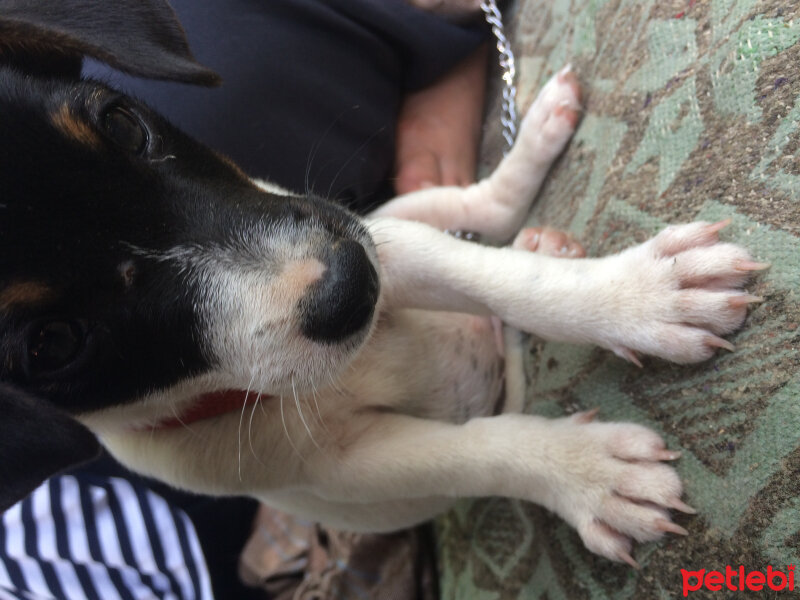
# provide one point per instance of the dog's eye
(52, 345)
(126, 130)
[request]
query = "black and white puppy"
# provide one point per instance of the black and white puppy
(232, 338)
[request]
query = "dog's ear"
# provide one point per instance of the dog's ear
(36, 441)
(140, 37)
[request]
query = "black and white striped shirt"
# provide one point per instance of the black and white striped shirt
(101, 538)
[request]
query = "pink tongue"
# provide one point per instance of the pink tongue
(212, 405)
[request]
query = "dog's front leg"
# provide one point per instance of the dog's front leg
(605, 479)
(497, 206)
(670, 297)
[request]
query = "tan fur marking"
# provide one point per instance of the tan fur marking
(25, 293)
(74, 128)
(296, 277)
(235, 167)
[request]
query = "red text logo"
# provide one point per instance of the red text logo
(738, 580)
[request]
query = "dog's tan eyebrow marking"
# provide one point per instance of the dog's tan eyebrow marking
(73, 127)
(24, 293)
(233, 166)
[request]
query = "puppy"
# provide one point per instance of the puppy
(232, 338)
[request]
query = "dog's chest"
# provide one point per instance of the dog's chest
(436, 365)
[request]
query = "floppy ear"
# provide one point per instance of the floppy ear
(36, 441)
(140, 37)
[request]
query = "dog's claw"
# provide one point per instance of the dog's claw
(719, 225)
(669, 526)
(750, 265)
(629, 355)
(625, 557)
(743, 300)
(678, 504)
(585, 416)
(567, 76)
(717, 342)
(668, 455)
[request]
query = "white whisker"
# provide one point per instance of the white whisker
(178, 417)
(335, 384)
(302, 418)
(261, 406)
(354, 154)
(316, 404)
(241, 420)
(315, 148)
(250, 430)
(286, 431)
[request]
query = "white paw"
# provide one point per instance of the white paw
(613, 487)
(674, 295)
(505, 197)
(553, 116)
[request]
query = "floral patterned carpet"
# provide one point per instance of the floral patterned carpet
(692, 111)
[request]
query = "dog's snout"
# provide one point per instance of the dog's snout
(342, 302)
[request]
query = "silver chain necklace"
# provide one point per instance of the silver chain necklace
(508, 118)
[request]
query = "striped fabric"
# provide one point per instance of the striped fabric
(94, 538)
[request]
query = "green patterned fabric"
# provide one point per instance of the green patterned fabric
(692, 111)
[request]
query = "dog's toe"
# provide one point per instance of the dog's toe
(554, 115)
(601, 539)
(677, 293)
(624, 493)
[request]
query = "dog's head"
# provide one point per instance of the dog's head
(136, 264)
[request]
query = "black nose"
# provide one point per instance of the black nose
(341, 303)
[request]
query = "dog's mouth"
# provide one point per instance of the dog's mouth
(208, 406)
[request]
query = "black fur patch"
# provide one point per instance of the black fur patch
(72, 213)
